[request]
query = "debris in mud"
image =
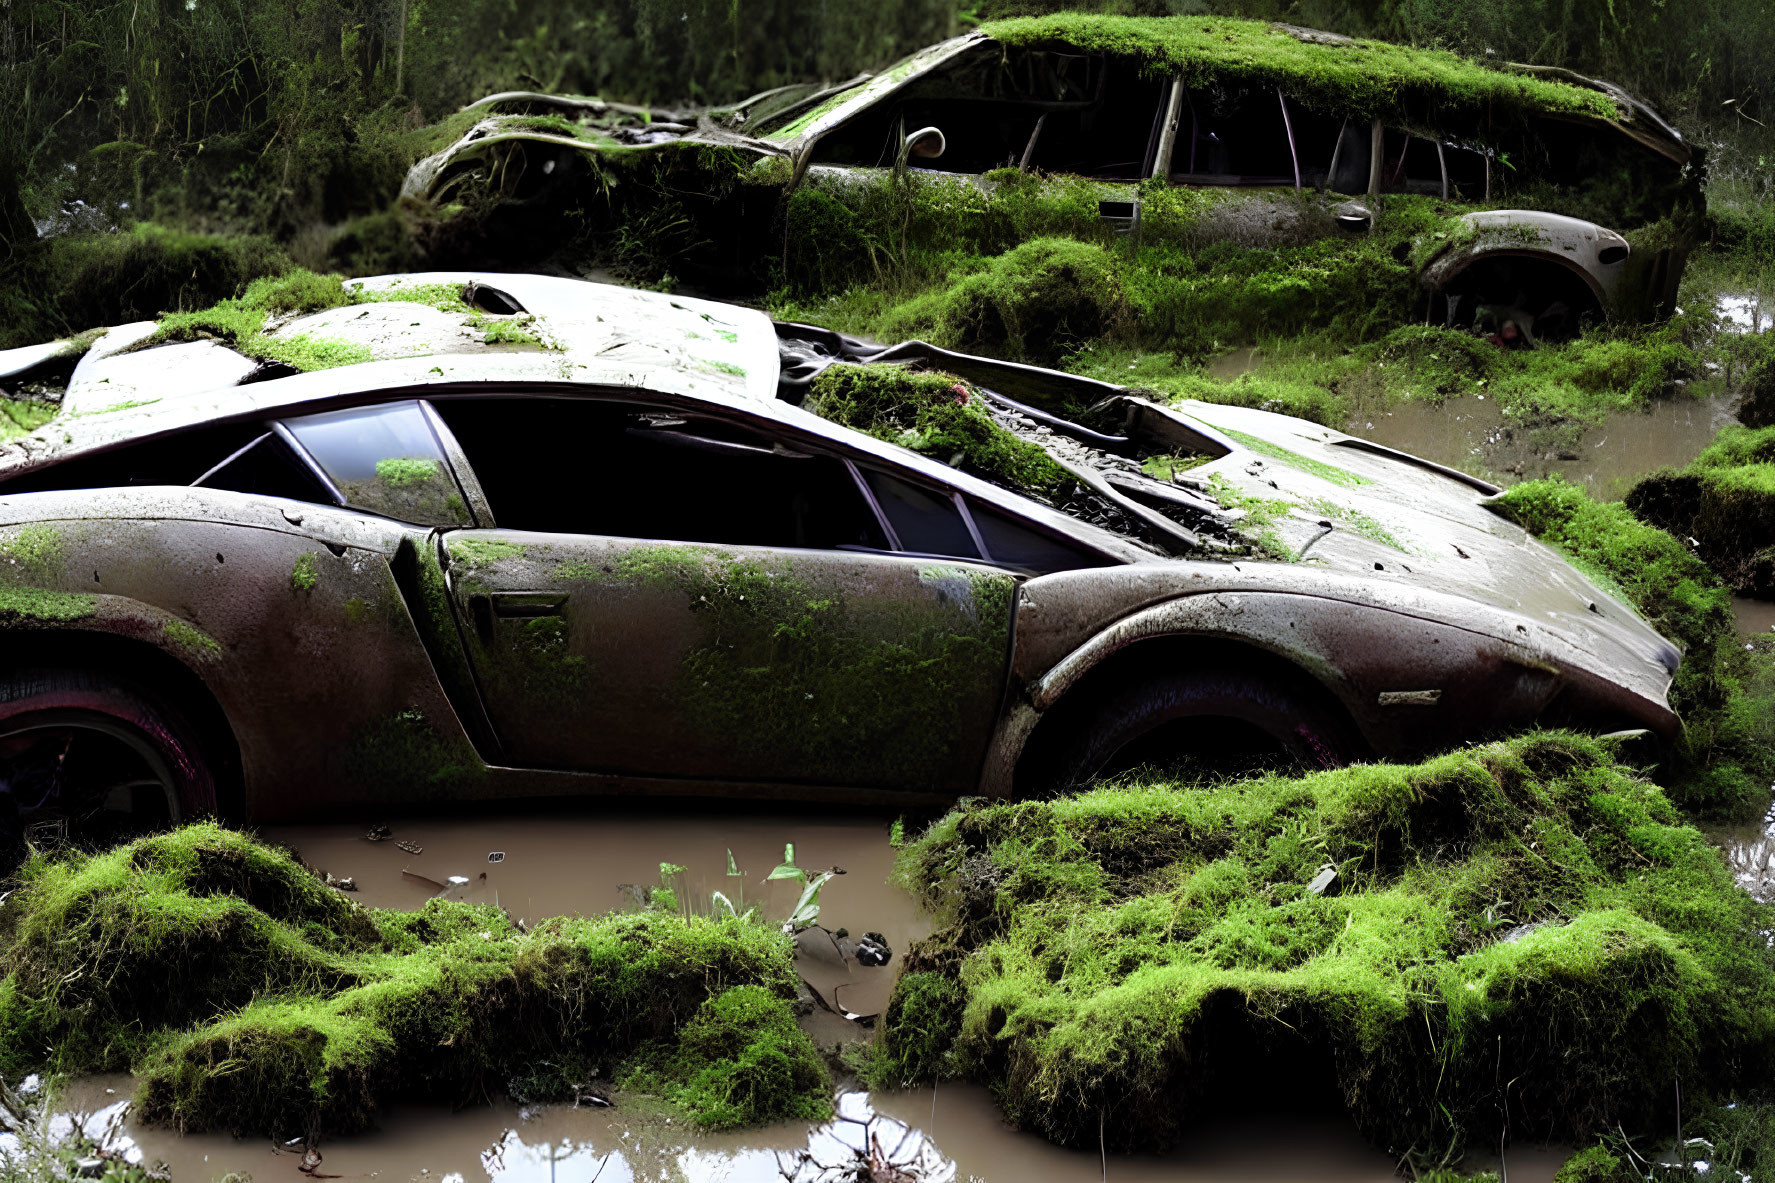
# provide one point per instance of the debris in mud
(496, 856)
(345, 884)
(378, 834)
(872, 950)
(409, 846)
(328, 1009)
(1131, 954)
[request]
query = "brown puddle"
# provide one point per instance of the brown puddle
(951, 1135)
(1753, 616)
(1470, 433)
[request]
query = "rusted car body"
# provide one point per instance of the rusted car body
(622, 560)
(1247, 113)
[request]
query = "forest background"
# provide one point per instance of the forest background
(279, 122)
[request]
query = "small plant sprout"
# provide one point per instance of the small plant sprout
(664, 898)
(806, 912)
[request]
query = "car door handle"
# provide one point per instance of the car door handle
(485, 607)
(525, 605)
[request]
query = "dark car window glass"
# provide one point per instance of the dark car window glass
(268, 468)
(926, 521)
(386, 460)
(1233, 138)
(587, 466)
(1011, 543)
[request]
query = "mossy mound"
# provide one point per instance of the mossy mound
(246, 995)
(1725, 501)
(1725, 687)
(936, 415)
(1037, 302)
(1524, 930)
(734, 1061)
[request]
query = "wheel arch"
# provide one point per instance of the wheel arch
(1068, 705)
(158, 673)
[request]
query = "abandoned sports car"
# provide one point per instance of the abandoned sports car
(543, 537)
(1556, 199)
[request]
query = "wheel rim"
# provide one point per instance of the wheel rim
(75, 774)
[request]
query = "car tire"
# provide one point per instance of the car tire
(63, 732)
(1307, 726)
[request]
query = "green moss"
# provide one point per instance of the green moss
(407, 755)
(1121, 956)
(22, 416)
(1358, 78)
(936, 415)
(507, 330)
(35, 604)
(399, 473)
(1596, 1165)
(1725, 501)
(305, 574)
(1361, 523)
(1724, 690)
(484, 552)
(34, 551)
(1320, 469)
(192, 639)
(246, 995)
(740, 1061)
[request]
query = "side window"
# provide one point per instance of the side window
(924, 521)
(269, 468)
(1017, 545)
(386, 460)
(587, 466)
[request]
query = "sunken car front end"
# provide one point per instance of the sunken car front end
(1392, 581)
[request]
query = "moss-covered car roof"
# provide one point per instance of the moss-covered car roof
(1362, 78)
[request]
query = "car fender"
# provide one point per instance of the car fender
(304, 641)
(1409, 684)
(1596, 254)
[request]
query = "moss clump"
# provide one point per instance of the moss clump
(305, 574)
(1524, 932)
(740, 1061)
(1363, 78)
(1724, 689)
(192, 639)
(22, 416)
(1725, 501)
(936, 415)
(1596, 1165)
(484, 552)
(31, 563)
(1037, 302)
(247, 995)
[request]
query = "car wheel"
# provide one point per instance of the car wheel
(93, 758)
(1217, 721)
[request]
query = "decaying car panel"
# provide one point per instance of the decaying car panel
(380, 622)
(1188, 102)
(697, 661)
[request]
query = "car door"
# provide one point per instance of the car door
(673, 596)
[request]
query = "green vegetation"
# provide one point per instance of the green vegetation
(30, 558)
(484, 552)
(1366, 78)
(21, 416)
(936, 415)
(1725, 501)
(740, 1061)
(1522, 929)
(193, 640)
(247, 995)
(305, 574)
(1725, 687)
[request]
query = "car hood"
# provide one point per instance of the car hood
(1320, 498)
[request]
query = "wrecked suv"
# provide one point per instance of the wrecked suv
(1552, 199)
(544, 537)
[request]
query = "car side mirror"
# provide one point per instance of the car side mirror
(926, 142)
(1353, 217)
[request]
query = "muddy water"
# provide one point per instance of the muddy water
(1470, 433)
(569, 863)
(1754, 616)
(954, 1135)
